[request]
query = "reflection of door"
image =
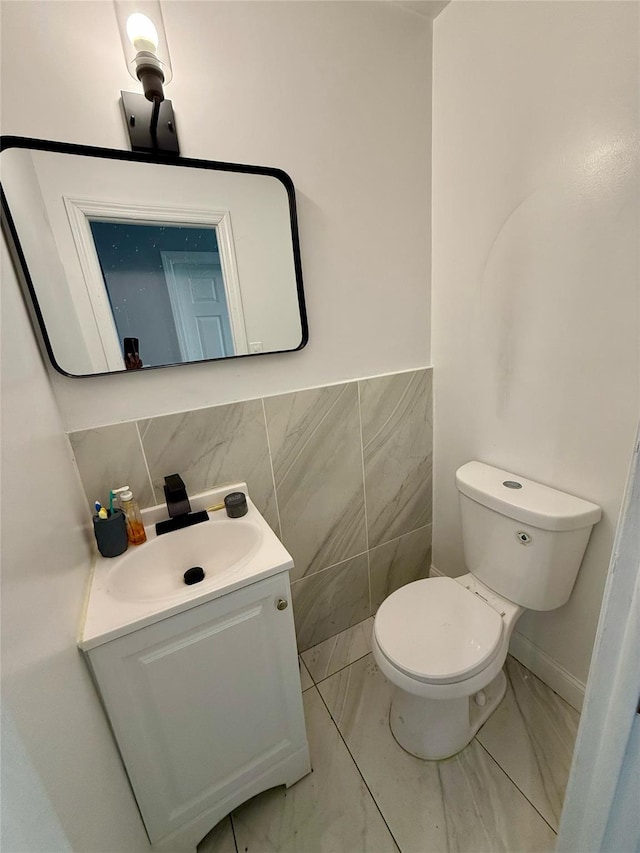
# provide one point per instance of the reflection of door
(200, 306)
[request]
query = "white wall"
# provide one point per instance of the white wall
(59, 734)
(535, 272)
(336, 94)
(28, 819)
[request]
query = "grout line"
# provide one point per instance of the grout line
(359, 554)
(333, 637)
(402, 535)
(273, 474)
(355, 763)
(364, 487)
(346, 666)
(364, 501)
(527, 728)
(313, 682)
(146, 465)
(517, 787)
(233, 831)
(321, 571)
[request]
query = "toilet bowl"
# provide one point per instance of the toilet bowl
(442, 642)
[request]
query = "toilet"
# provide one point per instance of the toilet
(442, 642)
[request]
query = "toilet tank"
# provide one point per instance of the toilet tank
(523, 540)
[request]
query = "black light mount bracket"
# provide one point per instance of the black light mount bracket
(151, 124)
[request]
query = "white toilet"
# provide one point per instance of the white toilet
(442, 642)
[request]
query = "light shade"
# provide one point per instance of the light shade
(142, 29)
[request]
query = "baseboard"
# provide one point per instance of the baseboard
(548, 670)
(539, 663)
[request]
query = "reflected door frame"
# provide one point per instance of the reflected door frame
(107, 355)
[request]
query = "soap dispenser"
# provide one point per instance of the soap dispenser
(129, 506)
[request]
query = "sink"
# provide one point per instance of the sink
(146, 583)
(155, 570)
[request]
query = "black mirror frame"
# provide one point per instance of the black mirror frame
(9, 228)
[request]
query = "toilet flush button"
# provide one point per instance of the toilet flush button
(512, 484)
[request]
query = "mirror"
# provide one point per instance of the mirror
(134, 261)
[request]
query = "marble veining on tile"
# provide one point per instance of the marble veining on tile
(210, 447)
(465, 803)
(109, 457)
(531, 735)
(339, 651)
(399, 562)
(397, 446)
(329, 811)
(327, 602)
(315, 445)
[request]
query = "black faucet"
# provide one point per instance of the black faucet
(175, 493)
(178, 507)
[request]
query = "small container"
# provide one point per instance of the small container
(111, 533)
(129, 505)
(236, 504)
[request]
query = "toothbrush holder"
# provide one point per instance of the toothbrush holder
(111, 533)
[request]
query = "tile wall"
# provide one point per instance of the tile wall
(342, 473)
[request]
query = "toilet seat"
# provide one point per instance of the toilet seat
(437, 631)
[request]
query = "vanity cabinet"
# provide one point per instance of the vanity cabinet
(206, 709)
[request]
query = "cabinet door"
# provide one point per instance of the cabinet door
(202, 702)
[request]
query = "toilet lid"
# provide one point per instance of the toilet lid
(435, 630)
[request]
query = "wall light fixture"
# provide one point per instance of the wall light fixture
(149, 117)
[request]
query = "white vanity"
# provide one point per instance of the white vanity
(200, 683)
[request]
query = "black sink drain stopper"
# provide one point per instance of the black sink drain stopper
(194, 575)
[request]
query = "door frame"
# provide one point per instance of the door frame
(610, 713)
(81, 210)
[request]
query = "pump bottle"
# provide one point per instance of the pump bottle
(129, 506)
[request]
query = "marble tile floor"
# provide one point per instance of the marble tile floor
(367, 795)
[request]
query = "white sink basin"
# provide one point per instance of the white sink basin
(155, 570)
(146, 583)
